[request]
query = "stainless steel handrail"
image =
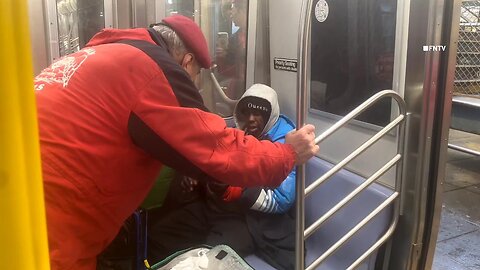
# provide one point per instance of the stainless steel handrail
(217, 87)
(377, 244)
(396, 160)
(302, 82)
(362, 107)
(354, 154)
(463, 149)
(312, 228)
(355, 229)
(133, 13)
(301, 192)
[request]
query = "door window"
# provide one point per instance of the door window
(231, 47)
(182, 7)
(77, 22)
(224, 24)
(352, 48)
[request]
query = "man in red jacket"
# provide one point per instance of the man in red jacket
(112, 114)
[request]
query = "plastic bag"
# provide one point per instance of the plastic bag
(204, 258)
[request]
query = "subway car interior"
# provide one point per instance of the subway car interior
(374, 77)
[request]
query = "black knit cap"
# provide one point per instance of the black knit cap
(249, 103)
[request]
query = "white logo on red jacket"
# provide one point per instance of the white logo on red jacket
(62, 70)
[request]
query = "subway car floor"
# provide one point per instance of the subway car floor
(458, 242)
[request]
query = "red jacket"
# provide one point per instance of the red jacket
(110, 115)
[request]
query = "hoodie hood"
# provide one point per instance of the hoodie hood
(262, 97)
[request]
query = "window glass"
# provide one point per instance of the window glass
(231, 47)
(182, 7)
(224, 23)
(352, 50)
(78, 21)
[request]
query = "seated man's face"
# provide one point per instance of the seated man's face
(254, 122)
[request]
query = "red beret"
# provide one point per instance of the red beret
(191, 36)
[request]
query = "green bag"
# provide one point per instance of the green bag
(221, 257)
(156, 196)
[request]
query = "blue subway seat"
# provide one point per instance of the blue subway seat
(324, 198)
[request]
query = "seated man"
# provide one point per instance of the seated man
(247, 219)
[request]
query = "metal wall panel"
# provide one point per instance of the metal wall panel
(71, 24)
(262, 44)
(143, 12)
(123, 11)
(446, 84)
(416, 76)
(283, 44)
(426, 144)
(38, 35)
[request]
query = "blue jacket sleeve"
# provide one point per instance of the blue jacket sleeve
(280, 199)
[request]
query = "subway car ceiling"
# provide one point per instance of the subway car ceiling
(355, 50)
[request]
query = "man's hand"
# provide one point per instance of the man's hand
(188, 184)
(303, 142)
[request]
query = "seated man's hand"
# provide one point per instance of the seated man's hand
(188, 184)
(232, 194)
(216, 189)
(223, 192)
(303, 143)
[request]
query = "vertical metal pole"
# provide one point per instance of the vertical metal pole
(108, 11)
(133, 5)
(159, 10)
(52, 37)
(302, 82)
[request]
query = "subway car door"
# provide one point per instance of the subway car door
(354, 52)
